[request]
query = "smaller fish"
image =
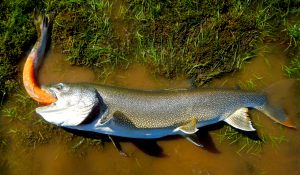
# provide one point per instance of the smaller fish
(32, 63)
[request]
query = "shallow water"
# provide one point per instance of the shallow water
(176, 155)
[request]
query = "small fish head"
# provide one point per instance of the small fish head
(73, 106)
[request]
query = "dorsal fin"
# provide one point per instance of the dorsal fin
(240, 120)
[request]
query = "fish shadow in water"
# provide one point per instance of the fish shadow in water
(207, 141)
(87, 134)
(150, 146)
(253, 135)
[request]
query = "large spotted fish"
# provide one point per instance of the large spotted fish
(153, 114)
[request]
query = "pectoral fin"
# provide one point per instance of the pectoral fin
(107, 116)
(189, 127)
(117, 117)
(240, 120)
(193, 138)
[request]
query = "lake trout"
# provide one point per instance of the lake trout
(153, 114)
(32, 63)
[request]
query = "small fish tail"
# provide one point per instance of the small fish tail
(45, 24)
(41, 22)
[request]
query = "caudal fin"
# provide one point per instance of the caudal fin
(276, 94)
(277, 114)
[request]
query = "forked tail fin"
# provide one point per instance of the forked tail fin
(277, 114)
(276, 94)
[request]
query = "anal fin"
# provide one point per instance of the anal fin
(240, 120)
(189, 127)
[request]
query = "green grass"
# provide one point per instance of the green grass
(294, 33)
(293, 69)
(83, 32)
(21, 107)
(199, 44)
(17, 34)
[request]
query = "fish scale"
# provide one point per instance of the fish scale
(156, 110)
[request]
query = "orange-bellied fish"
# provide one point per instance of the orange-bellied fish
(32, 62)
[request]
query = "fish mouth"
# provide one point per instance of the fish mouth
(49, 90)
(51, 106)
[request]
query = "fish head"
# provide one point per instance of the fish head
(75, 103)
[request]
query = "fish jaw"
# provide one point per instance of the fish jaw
(62, 116)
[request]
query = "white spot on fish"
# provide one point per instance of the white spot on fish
(106, 129)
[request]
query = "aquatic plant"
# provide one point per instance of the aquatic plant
(251, 143)
(293, 69)
(294, 33)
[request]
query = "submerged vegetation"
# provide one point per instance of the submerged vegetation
(293, 70)
(197, 39)
(251, 143)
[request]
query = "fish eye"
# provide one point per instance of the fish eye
(60, 86)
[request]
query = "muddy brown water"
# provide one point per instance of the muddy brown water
(178, 155)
